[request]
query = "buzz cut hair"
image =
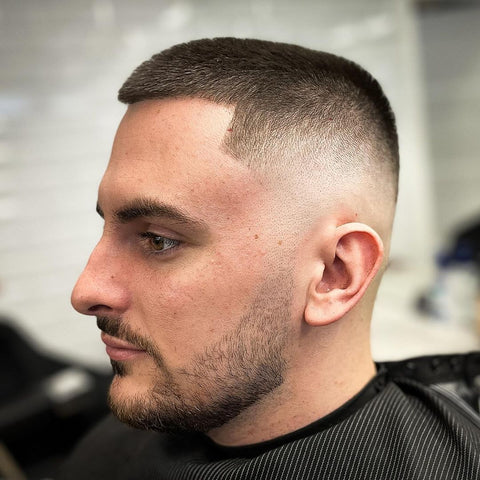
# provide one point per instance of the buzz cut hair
(293, 106)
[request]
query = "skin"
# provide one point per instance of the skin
(193, 308)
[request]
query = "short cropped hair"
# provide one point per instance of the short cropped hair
(288, 101)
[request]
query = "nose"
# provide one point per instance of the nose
(99, 289)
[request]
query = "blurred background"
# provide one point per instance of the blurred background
(62, 63)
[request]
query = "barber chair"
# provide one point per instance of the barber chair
(457, 373)
(45, 405)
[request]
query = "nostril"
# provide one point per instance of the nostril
(96, 308)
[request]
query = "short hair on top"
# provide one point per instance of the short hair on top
(292, 105)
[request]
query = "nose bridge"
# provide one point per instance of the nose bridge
(100, 284)
(99, 262)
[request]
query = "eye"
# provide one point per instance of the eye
(158, 244)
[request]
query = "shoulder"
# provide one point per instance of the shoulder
(430, 407)
(413, 428)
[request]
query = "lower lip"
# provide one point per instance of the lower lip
(123, 353)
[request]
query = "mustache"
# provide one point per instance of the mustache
(111, 326)
(115, 327)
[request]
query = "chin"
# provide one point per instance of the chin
(127, 387)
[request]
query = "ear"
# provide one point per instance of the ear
(339, 283)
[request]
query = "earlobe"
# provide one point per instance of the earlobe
(338, 285)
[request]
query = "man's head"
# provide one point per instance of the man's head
(247, 202)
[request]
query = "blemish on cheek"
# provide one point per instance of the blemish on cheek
(229, 129)
(112, 277)
(280, 242)
(255, 236)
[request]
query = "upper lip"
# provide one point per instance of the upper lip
(117, 342)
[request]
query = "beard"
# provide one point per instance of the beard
(226, 378)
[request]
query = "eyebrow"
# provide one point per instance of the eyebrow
(150, 208)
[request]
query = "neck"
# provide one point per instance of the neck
(315, 385)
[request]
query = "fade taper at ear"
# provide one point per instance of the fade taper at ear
(338, 285)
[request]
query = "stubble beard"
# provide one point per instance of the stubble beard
(225, 379)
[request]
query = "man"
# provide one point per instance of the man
(248, 208)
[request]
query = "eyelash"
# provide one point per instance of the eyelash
(147, 238)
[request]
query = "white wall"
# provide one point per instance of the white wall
(62, 63)
(451, 55)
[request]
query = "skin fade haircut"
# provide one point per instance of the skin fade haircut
(294, 106)
(248, 206)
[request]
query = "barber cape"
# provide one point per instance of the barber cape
(402, 425)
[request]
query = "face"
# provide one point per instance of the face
(191, 282)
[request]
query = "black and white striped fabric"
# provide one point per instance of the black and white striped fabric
(395, 428)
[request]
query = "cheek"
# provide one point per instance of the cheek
(193, 305)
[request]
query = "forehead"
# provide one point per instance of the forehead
(171, 150)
